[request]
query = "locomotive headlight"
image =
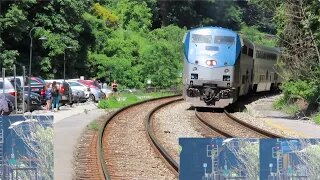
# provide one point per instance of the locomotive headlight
(211, 62)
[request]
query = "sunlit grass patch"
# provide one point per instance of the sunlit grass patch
(94, 126)
(316, 118)
(125, 99)
(289, 108)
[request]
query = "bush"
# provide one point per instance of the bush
(316, 118)
(286, 105)
(280, 103)
(303, 89)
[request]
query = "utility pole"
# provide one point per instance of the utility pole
(15, 88)
(23, 98)
(3, 76)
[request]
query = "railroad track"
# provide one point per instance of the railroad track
(153, 139)
(229, 126)
(124, 149)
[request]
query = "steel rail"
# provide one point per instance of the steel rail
(104, 169)
(254, 128)
(152, 138)
(219, 131)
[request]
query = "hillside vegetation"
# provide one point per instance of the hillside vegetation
(137, 40)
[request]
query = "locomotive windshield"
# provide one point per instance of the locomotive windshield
(199, 38)
(224, 39)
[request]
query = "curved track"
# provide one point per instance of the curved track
(127, 147)
(151, 135)
(230, 126)
(123, 147)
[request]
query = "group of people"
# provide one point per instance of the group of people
(52, 96)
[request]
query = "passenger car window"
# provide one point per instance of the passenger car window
(250, 52)
(244, 49)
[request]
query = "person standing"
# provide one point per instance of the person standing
(48, 96)
(4, 105)
(114, 87)
(55, 96)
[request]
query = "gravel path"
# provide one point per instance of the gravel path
(257, 111)
(127, 151)
(67, 133)
(175, 121)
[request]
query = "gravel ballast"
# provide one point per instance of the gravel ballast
(176, 121)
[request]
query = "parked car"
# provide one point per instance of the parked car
(64, 90)
(35, 100)
(78, 96)
(37, 85)
(80, 87)
(9, 99)
(96, 93)
(7, 87)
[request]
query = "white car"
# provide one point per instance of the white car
(78, 86)
(107, 91)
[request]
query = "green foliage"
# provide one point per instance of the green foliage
(287, 104)
(118, 102)
(134, 15)
(7, 58)
(94, 126)
(126, 99)
(297, 24)
(316, 118)
(160, 64)
(292, 91)
(201, 13)
(304, 89)
(105, 14)
(253, 34)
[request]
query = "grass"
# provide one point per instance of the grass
(94, 125)
(123, 100)
(316, 118)
(282, 104)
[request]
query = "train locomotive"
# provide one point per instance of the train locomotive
(220, 66)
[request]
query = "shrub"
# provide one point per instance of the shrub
(316, 118)
(303, 89)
